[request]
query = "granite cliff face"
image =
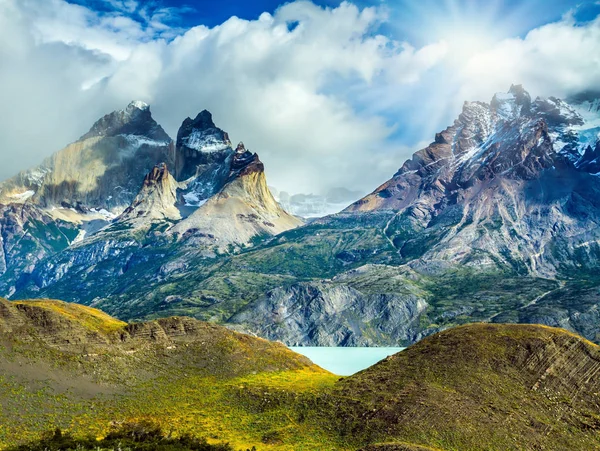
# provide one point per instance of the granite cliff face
(157, 198)
(219, 205)
(242, 209)
(341, 312)
(100, 171)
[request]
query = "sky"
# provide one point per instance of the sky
(328, 93)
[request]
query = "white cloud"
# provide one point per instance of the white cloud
(325, 103)
(558, 59)
(285, 92)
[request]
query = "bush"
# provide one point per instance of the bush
(139, 435)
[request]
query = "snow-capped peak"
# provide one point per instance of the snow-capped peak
(512, 104)
(138, 104)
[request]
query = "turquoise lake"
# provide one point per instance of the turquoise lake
(345, 361)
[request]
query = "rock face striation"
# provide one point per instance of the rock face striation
(512, 387)
(333, 313)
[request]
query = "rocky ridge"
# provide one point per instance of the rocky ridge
(510, 184)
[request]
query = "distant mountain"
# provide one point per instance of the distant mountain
(99, 171)
(511, 183)
(496, 220)
(113, 191)
(316, 205)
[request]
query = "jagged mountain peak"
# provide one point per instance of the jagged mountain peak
(516, 102)
(201, 134)
(200, 146)
(137, 105)
(157, 198)
(502, 182)
(102, 170)
(241, 148)
(203, 120)
(245, 162)
(135, 120)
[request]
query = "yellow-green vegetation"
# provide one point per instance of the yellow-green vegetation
(90, 318)
(480, 387)
(188, 376)
(475, 387)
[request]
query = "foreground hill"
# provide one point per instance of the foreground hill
(69, 366)
(476, 387)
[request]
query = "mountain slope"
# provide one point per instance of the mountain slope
(242, 209)
(507, 185)
(480, 387)
(69, 366)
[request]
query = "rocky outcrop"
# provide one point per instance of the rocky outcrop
(28, 234)
(243, 209)
(333, 314)
(157, 199)
(202, 158)
(69, 328)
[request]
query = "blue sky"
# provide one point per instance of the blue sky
(406, 16)
(328, 93)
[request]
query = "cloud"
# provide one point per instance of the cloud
(558, 59)
(282, 89)
(128, 6)
(322, 97)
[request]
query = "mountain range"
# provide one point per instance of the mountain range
(495, 221)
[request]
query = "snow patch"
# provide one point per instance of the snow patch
(36, 176)
(193, 200)
(139, 105)
(22, 197)
(205, 141)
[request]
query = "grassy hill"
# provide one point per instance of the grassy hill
(67, 366)
(481, 386)
(475, 387)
